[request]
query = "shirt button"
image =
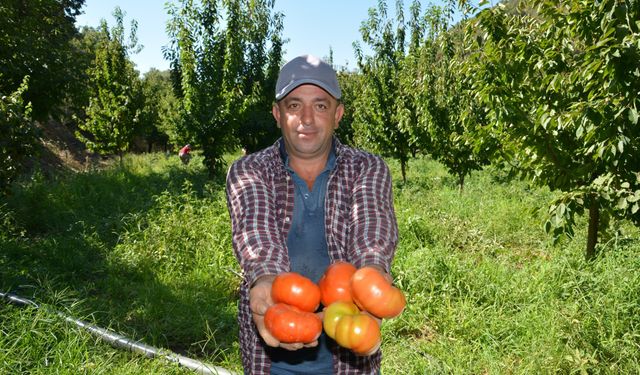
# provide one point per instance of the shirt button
(306, 196)
(287, 219)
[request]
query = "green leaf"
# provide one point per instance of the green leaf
(634, 208)
(547, 226)
(633, 116)
(622, 203)
(544, 120)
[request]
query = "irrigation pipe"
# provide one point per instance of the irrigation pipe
(122, 342)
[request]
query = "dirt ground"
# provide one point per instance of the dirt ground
(62, 151)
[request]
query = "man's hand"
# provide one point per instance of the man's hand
(384, 273)
(259, 301)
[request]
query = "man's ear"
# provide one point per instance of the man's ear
(275, 111)
(339, 114)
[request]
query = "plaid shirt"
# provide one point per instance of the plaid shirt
(360, 227)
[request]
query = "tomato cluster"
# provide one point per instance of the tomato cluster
(291, 319)
(352, 297)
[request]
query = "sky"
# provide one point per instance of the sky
(312, 27)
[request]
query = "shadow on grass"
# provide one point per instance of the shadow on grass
(56, 236)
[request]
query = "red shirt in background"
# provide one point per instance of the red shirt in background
(185, 150)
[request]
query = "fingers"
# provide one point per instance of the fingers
(258, 319)
(384, 273)
(292, 346)
(298, 345)
(311, 344)
(378, 320)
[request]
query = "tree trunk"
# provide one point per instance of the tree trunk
(403, 168)
(461, 183)
(592, 235)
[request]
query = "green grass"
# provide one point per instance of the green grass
(144, 248)
(489, 293)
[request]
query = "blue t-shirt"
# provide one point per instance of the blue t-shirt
(309, 257)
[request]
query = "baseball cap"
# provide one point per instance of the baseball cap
(307, 69)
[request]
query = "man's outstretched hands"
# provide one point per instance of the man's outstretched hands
(259, 301)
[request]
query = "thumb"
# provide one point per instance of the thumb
(259, 306)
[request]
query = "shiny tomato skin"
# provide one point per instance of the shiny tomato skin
(289, 324)
(373, 293)
(359, 332)
(334, 312)
(335, 284)
(295, 290)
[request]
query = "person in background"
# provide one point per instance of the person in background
(299, 205)
(185, 154)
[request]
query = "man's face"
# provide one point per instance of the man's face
(308, 117)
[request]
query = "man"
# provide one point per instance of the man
(185, 154)
(300, 205)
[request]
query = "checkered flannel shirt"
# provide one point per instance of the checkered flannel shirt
(360, 227)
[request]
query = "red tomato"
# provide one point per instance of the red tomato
(295, 290)
(334, 312)
(374, 294)
(290, 324)
(335, 283)
(359, 332)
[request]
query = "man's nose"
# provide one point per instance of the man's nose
(306, 117)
